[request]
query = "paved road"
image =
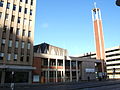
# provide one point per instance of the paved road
(94, 85)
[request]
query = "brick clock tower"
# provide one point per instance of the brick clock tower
(98, 35)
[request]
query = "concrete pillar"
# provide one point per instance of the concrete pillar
(3, 77)
(77, 71)
(48, 76)
(30, 77)
(70, 72)
(64, 70)
(56, 71)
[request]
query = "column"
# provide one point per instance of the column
(3, 77)
(63, 70)
(30, 77)
(48, 70)
(70, 72)
(77, 71)
(56, 71)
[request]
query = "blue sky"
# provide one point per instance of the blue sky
(68, 24)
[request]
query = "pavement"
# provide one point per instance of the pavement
(83, 85)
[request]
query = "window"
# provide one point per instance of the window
(20, 9)
(3, 41)
(30, 22)
(29, 33)
(21, 58)
(17, 31)
(28, 46)
(23, 33)
(27, 59)
(8, 57)
(4, 29)
(1, 56)
(1, 3)
(6, 16)
(15, 57)
(31, 2)
(23, 44)
(36, 78)
(13, 18)
(11, 30)
(10, 43)
(19, 19)
(16, 44)
(14, 7)
(25, 21)
(0, 14)
(30, 11)
(25, 11)
(26, 1)
(8, 5)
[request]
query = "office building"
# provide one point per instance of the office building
(17, 19)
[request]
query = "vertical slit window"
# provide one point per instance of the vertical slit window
(1, 3)
(14, 7)
(13, 18)
(8, 5)
(20, 9)
(17, 31)
(19, 19)
(0, 15)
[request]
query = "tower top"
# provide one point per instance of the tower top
(95, 4)
(95, 7)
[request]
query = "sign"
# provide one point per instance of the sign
(89, 70)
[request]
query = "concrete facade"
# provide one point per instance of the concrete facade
(112, 61)
(99, 38)
(17, 19)
(56, 67)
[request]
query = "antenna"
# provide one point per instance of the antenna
(95, 4)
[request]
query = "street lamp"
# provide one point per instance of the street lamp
(118, 2)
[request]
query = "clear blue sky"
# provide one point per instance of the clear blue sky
(68, 24)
